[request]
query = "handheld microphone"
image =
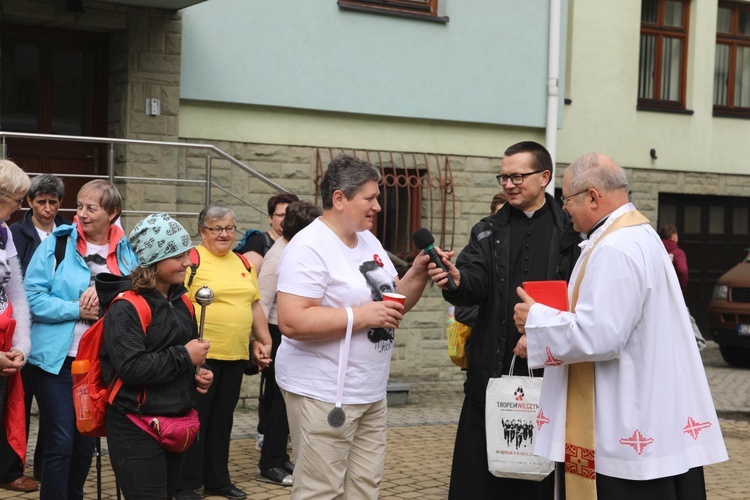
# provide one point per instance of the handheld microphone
(424, 240)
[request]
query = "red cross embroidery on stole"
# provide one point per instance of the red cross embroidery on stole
(551, 360)
(693, 428)
(637, 441)
(541, 419)
(579, 461)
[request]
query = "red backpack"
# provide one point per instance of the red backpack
(90, 394)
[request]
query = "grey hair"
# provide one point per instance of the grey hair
(589, 171)
(214, 211)
(346, 174)
(12, 178)
(46, 184)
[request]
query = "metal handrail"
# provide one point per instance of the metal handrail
(208, 148)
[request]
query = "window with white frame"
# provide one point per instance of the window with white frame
(732, 63)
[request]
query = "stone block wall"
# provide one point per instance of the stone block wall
(420, 352)
(147, 55)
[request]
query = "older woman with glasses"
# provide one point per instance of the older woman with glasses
(235, 313)
(14, 337)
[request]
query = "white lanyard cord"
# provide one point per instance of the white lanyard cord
(344, 356)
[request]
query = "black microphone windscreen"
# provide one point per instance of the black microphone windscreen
(423, 238)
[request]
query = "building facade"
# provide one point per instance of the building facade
(432, 100)
(430, 91)
(663, 86)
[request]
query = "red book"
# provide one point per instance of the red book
(552, 293)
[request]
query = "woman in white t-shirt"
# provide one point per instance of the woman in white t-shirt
(332, 273)
(63, 303)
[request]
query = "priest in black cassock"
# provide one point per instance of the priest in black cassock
(530, 238)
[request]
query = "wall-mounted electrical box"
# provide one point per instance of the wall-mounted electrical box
(153, 107)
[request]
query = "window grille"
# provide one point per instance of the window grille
(416, 190)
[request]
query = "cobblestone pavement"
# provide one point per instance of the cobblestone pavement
(421, 435)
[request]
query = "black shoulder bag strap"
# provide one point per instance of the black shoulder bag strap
(269, 242)
(60, 244)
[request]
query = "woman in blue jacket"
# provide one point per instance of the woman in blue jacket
(63, 304)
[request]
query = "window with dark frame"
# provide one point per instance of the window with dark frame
(420, 9)
(663, 54)
(732, 63)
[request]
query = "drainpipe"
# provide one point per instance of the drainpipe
(553, 86)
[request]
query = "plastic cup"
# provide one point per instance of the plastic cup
(394, 297)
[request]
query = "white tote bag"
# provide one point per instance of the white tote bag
(510, 420)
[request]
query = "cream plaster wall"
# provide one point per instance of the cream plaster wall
(603, 72)
(268, 125)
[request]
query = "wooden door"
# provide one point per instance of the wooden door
(54, 82)
(713, 231)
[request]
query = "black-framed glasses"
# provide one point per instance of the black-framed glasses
(218, 230)
(516, 179)
(564, 199)
(14, 200)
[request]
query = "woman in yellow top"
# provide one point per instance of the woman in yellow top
(234, 314)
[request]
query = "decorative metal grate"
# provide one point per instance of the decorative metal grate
(416, 190)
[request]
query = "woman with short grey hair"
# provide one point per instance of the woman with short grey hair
(331, 308)
(233, 320)
(44, 197)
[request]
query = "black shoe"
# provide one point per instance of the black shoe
(288, 466)
(275, 475)
(230, 491)
(187, 495)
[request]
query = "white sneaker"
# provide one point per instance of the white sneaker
(259, 442)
